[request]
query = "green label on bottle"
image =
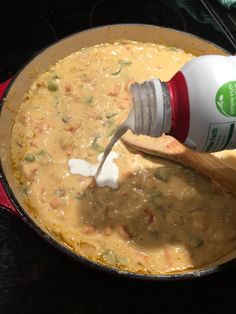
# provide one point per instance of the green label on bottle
(226, 99)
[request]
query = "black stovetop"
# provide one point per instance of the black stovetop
(24, 31)
(34, 277)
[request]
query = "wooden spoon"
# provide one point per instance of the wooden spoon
(168, 147)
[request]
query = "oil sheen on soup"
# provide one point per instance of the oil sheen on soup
(162, 217)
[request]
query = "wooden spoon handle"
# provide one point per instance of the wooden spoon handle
(206, 164)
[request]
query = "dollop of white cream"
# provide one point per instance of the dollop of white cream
(108, 175)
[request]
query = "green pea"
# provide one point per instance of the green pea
(80, 196)
(116, 72)
(196, 241)
(88, 99)
(156, 194)
(109, 257)
(163, 174)
(111, 115)
(125, 62)
(30, 158)
(96, 146)
(111, 132)
(52, 86)
(65, 119)
(173, 49)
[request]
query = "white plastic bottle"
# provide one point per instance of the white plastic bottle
(197, 106)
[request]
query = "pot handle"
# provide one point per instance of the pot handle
(5, 202)
(3, 86)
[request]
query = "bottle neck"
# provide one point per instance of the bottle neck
(151, 108)
(160, 107)
(180, 108)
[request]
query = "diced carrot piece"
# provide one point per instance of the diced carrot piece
(128, 83)
(149, 215)
(88, 229)
(115, 91)
(24, 119)
(54, 203)
(68, 89)
(124, 232)
(108, 231)
(92, 183)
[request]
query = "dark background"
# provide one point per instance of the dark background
(34, 277)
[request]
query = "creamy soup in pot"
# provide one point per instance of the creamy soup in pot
(160, 217)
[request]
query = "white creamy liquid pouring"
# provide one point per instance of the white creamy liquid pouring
(108, 176)
(107, 172)
(121, 130)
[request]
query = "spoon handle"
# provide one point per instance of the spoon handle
(207, 164)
